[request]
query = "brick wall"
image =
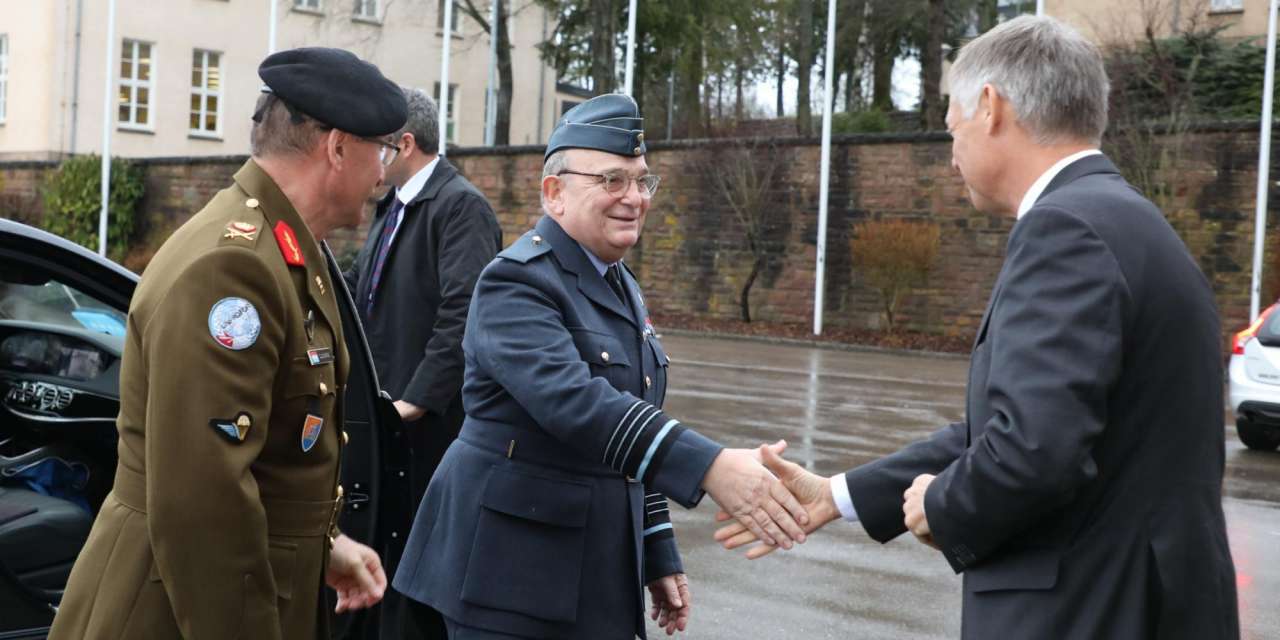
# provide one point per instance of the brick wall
(693, 257)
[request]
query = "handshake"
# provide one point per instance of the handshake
(777, 502)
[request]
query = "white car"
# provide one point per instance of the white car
(1254, 381)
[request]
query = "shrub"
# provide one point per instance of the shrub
(870, 121)
(73, 201)
(894, 257)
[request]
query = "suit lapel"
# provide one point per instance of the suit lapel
(573, 258)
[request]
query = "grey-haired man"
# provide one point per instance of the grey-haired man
(432, 235)
(1082, 495)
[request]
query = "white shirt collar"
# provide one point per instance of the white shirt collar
(1038, 187)
(414, 185)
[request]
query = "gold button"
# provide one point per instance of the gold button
(252, 203)
(345, 439)
(637, 150)
(604, 355)
(324, 388)
(648, 382)
(537, 239)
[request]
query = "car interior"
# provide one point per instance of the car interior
(59, 395)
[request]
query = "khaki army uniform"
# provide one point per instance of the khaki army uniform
(230, 439)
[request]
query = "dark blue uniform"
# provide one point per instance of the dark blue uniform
(547, 515)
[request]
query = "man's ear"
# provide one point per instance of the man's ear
(408, 143)
(553, 195)
(992, 107)
(335, 145)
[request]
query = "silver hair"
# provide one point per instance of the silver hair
(1053, 77)
(553, 165)
(423, 122)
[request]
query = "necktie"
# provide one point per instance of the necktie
(384, 248)
(614, 276)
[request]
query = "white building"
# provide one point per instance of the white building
(185, 71)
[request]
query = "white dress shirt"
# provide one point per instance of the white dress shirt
(409, 191)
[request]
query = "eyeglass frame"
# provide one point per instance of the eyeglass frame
(604, 181)
(383, 147)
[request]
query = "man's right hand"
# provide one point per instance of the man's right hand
(745, 489)
(408, 411)
(811, 490)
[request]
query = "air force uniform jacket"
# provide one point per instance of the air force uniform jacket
(547, 515)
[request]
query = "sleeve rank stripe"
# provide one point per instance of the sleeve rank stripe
(640, 432)
(653, 446)
(614, 462)
(657, 527)
(607, 447)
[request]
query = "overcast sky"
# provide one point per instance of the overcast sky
(906, 89)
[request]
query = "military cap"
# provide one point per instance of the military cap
(609, 123)
(337, 88)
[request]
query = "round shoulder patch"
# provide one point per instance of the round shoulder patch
(234, 323)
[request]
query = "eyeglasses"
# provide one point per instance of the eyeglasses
(387, 152)
(616, 183)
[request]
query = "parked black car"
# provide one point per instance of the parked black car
(62, 326)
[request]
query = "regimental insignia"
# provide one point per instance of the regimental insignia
(234, 323)
(241, 231)
(311, 431)
(235, 429)
(320, 356)
(288, 241)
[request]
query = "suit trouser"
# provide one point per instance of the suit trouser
(460, 632)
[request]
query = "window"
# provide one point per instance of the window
(1226, 5)
(136, 70)
(306, 5)
(440, 17)
(449, 127)
(206, 92)
(4, 74)
(367, 9)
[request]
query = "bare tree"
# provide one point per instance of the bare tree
(744, 176)
(502, 130)
(804, 65)
(931, 111)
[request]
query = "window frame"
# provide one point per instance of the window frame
(205, 93)
(360, 11)
(457, 19)
(1237, 6)
(314, 7)
(450, 119)
(134, 85)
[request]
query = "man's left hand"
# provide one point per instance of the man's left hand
(671, 602)
(408, 411)
(355, 572)
(913, 509)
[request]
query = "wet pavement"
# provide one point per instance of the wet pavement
(838, 409)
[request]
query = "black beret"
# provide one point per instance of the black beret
(337, 88)
(609, 123)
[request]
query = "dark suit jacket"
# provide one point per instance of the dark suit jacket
(537, 523)
(1082, 496)
(447, 236)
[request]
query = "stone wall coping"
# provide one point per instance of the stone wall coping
(1203, 126)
